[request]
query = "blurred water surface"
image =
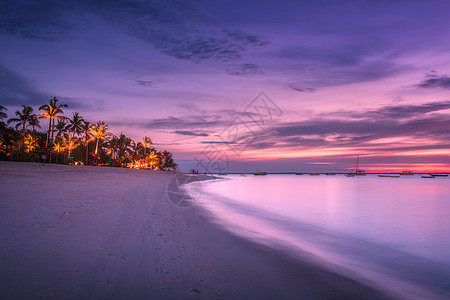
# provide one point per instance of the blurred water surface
(392, 232)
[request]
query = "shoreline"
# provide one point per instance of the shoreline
(90, 232)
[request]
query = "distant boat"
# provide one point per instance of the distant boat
(392, 176)
(298, 173)
(244, 175)
(259, 173)
(407, 173)
(330, 174)
(314, 174)
(356, 172)
(428, 176)
(439, 175)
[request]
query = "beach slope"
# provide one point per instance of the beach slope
(80, 232)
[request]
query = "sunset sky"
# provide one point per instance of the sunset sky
(339, 78)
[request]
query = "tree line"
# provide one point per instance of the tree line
(73, 140)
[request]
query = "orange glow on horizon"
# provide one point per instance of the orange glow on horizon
(417, 168)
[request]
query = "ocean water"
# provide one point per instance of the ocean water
(391, 233)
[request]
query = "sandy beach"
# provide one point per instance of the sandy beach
(80, 232)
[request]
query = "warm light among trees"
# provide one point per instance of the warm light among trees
(74, 141)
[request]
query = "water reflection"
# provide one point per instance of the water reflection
(393, 232)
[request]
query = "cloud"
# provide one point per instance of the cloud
(190, 132)
(180, 30)
(364, 129)
(243, 69)
(216, 142)
(145, 83)
(188, 123)
(404, 111)
(213, 120)
(174, 28)
(302, 89)
(354, 130)
(34, 19)
(435, 81)
(16, 90)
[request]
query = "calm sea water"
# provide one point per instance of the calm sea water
(393, 233)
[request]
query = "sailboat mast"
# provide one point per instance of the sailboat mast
(357, 162)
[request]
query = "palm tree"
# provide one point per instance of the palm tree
(61, 127)
(52, 111)
(99, 133)
(70, 143)
(167, 161)
(113, 146)
(76, 124)
(30, 142)
(23, 117)
(152, 159)
(8, 142)
(3, 115)
(124, 145)
(58, 147)
(146, 141)
(86, 126)
(136, 149)
(34, 122)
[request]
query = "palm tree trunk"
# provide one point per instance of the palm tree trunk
(87, 152)
(48, 131)
(96, 150)
(23, 133)
(53, 128)
(87, 146)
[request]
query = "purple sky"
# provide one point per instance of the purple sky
(348, 77)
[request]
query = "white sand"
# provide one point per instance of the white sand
(79, 232)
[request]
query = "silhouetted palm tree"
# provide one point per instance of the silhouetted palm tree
(61, 127)
(3, 115)
(34, 122)
(23, 117)
(86, 126)
(136, 150)
(113, 147)
(124, 145)
(167, 161)
(99, 133)
(76, 124)
(52, 111)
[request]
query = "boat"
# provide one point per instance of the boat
(330, 174)
(391, 176)
(407, 173)
(356, 172)
(298, 173)
(259, 173)
(349, 175)
(243, 175)
(314, 174)
(439, 175)
(427, 176)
